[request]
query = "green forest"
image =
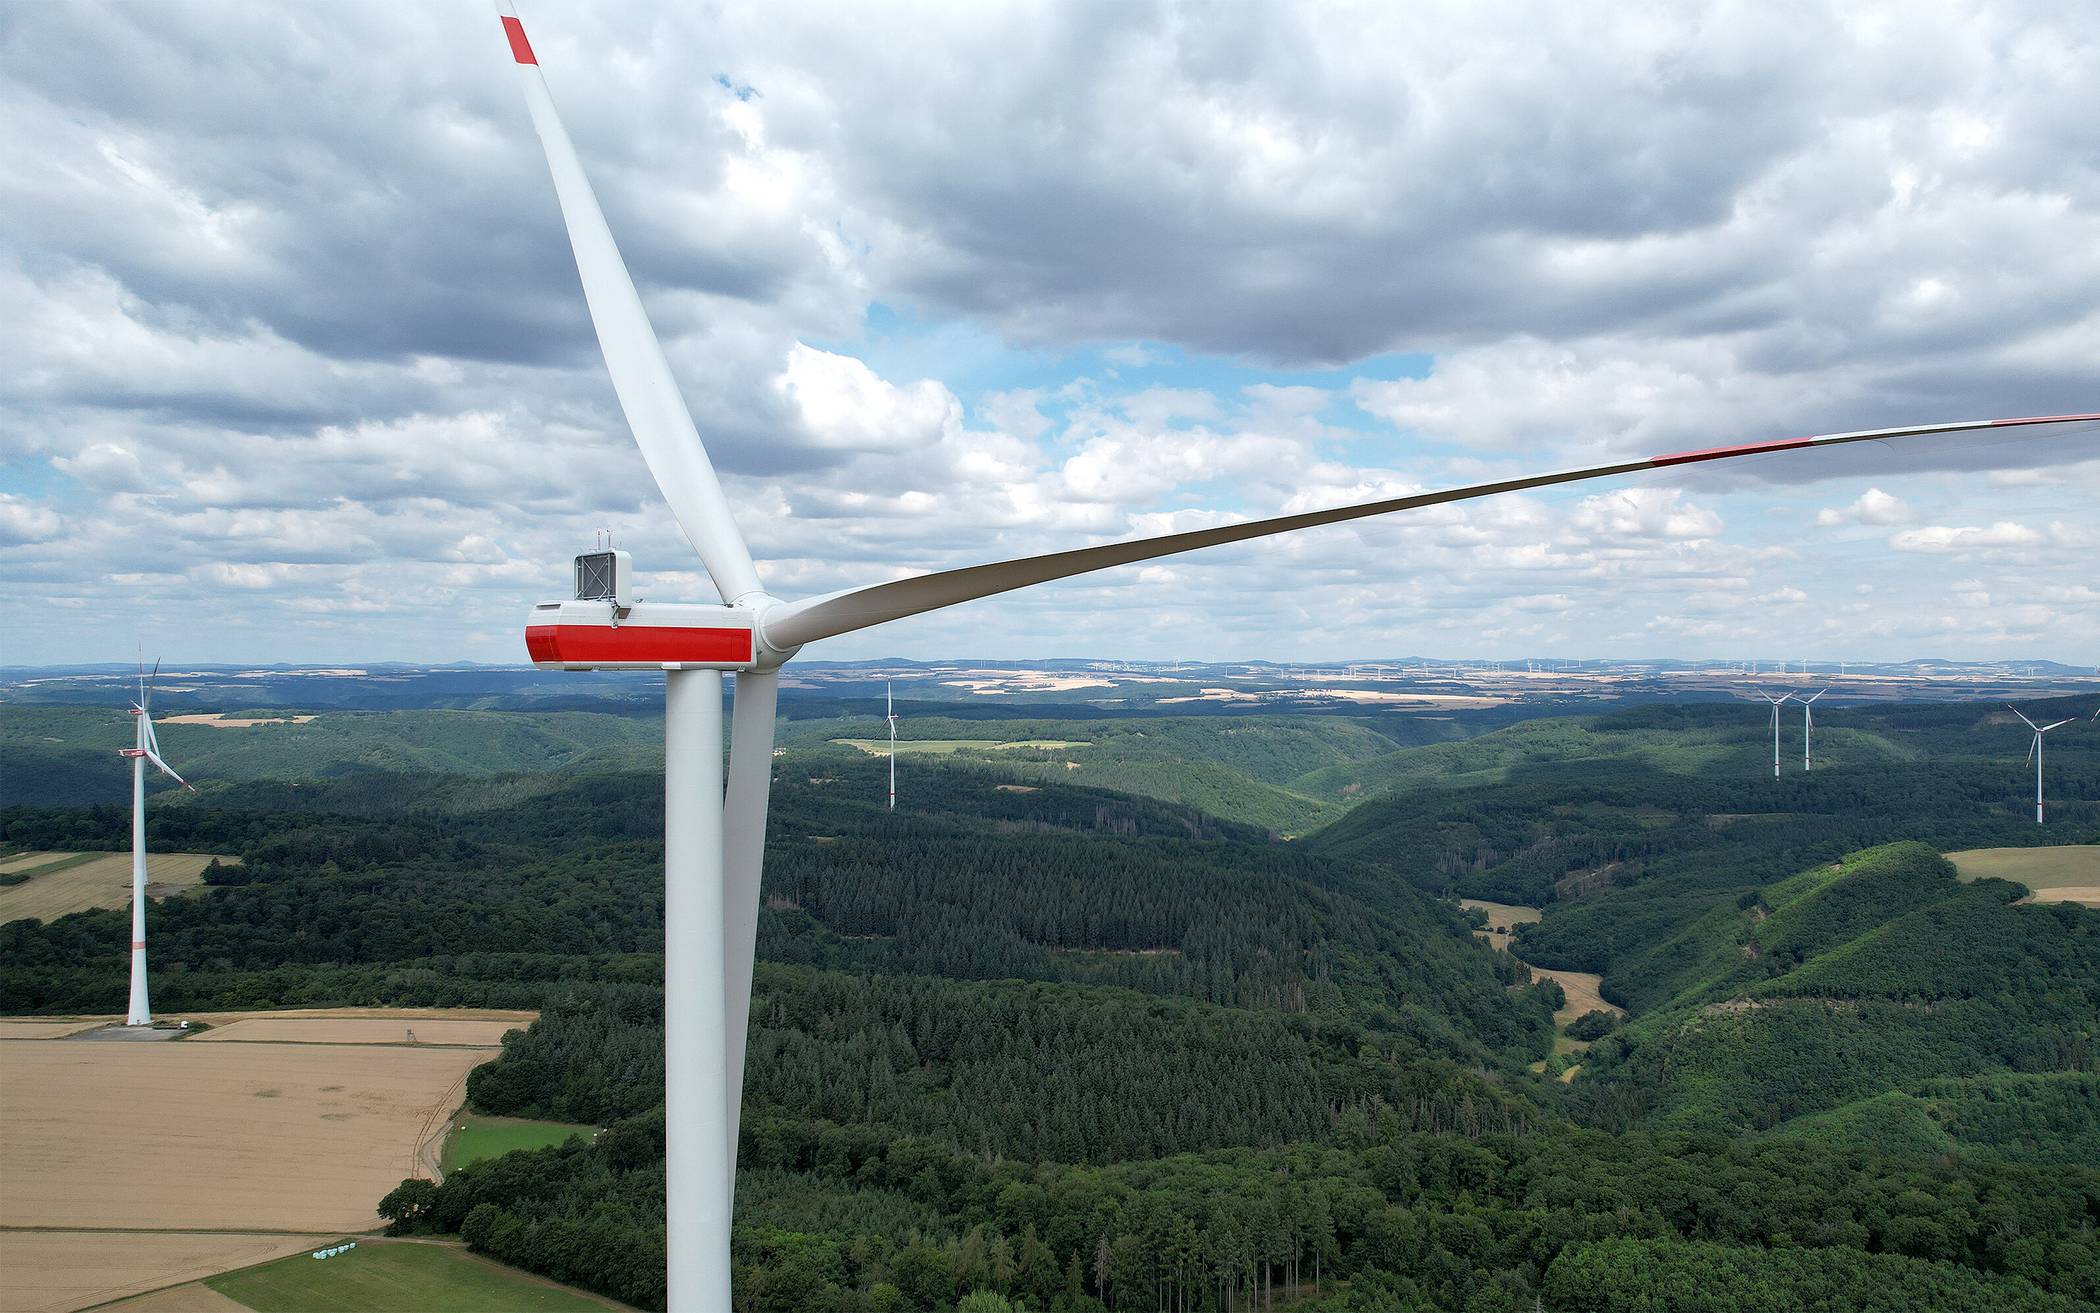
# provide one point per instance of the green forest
(1186, 1016)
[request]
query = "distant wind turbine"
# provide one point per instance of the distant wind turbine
(1775, 727)
(145, 748)
(889, 705)
(2034, 754)
(1808, 726)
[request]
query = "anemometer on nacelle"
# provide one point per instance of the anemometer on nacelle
(606, 627)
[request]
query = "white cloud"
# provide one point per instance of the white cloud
(1873, 507)
(1962, 538)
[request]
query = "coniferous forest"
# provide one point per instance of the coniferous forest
(1081, 1028)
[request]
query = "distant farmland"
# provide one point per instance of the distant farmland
(2065, 873)
(61, 883)
(129, 1166)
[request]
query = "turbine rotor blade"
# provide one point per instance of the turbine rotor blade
(168, 770)
(641, 376)
(745, 796)
(794, 623)
(2046, 728)
(2022, 715)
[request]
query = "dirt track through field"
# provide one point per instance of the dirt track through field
(103, 882)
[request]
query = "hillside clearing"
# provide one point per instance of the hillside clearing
(102, 881)
(2064, 873)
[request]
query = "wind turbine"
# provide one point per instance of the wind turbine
(1808, 726)
(714, 839)
(889, 713)
(145, 747)
(1775, 726)
(2034, 753)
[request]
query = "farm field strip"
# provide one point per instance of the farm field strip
(222, 1137)
(57, 1271)
(428, 1031)
(102, 882)
(2062, 873)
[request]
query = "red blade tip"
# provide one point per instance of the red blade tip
(520, 48)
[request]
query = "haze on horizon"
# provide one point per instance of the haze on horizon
(298, 369)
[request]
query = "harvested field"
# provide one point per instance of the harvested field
(363, 1030)
(220, 720)
(2085, 894)
(264, 1137)
(196, 1297)
(55, 1271)
(2063, 873)
(1581, 987)
(104, 881)
(23, 861)
(44, 1029)
(1503, 918)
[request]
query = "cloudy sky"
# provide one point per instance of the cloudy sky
(294, 364)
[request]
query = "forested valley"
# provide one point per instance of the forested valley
(1078, 1028)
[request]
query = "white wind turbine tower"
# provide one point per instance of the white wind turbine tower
(889, 712)
(1808, 726)
(1775, 727)
(145, 747)
(2034, 753)
(714, 841)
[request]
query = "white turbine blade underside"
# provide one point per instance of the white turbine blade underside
(165, 768)
(2046, 728)
(796, 623)
(641, 376)
(745, 795)
(2023, 718)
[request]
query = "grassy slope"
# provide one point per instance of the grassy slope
(426, 1278)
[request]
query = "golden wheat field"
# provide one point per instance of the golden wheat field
(102, 881)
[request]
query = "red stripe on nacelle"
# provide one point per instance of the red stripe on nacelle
(581, 644)
(520, 48)
(1721, 453)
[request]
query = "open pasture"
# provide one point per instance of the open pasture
(102, 881)
(473, 1138)
(262, 1137)
(56, 1271)
(2064, 873)
(399, 1275)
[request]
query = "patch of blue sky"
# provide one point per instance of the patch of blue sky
(977, 365)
